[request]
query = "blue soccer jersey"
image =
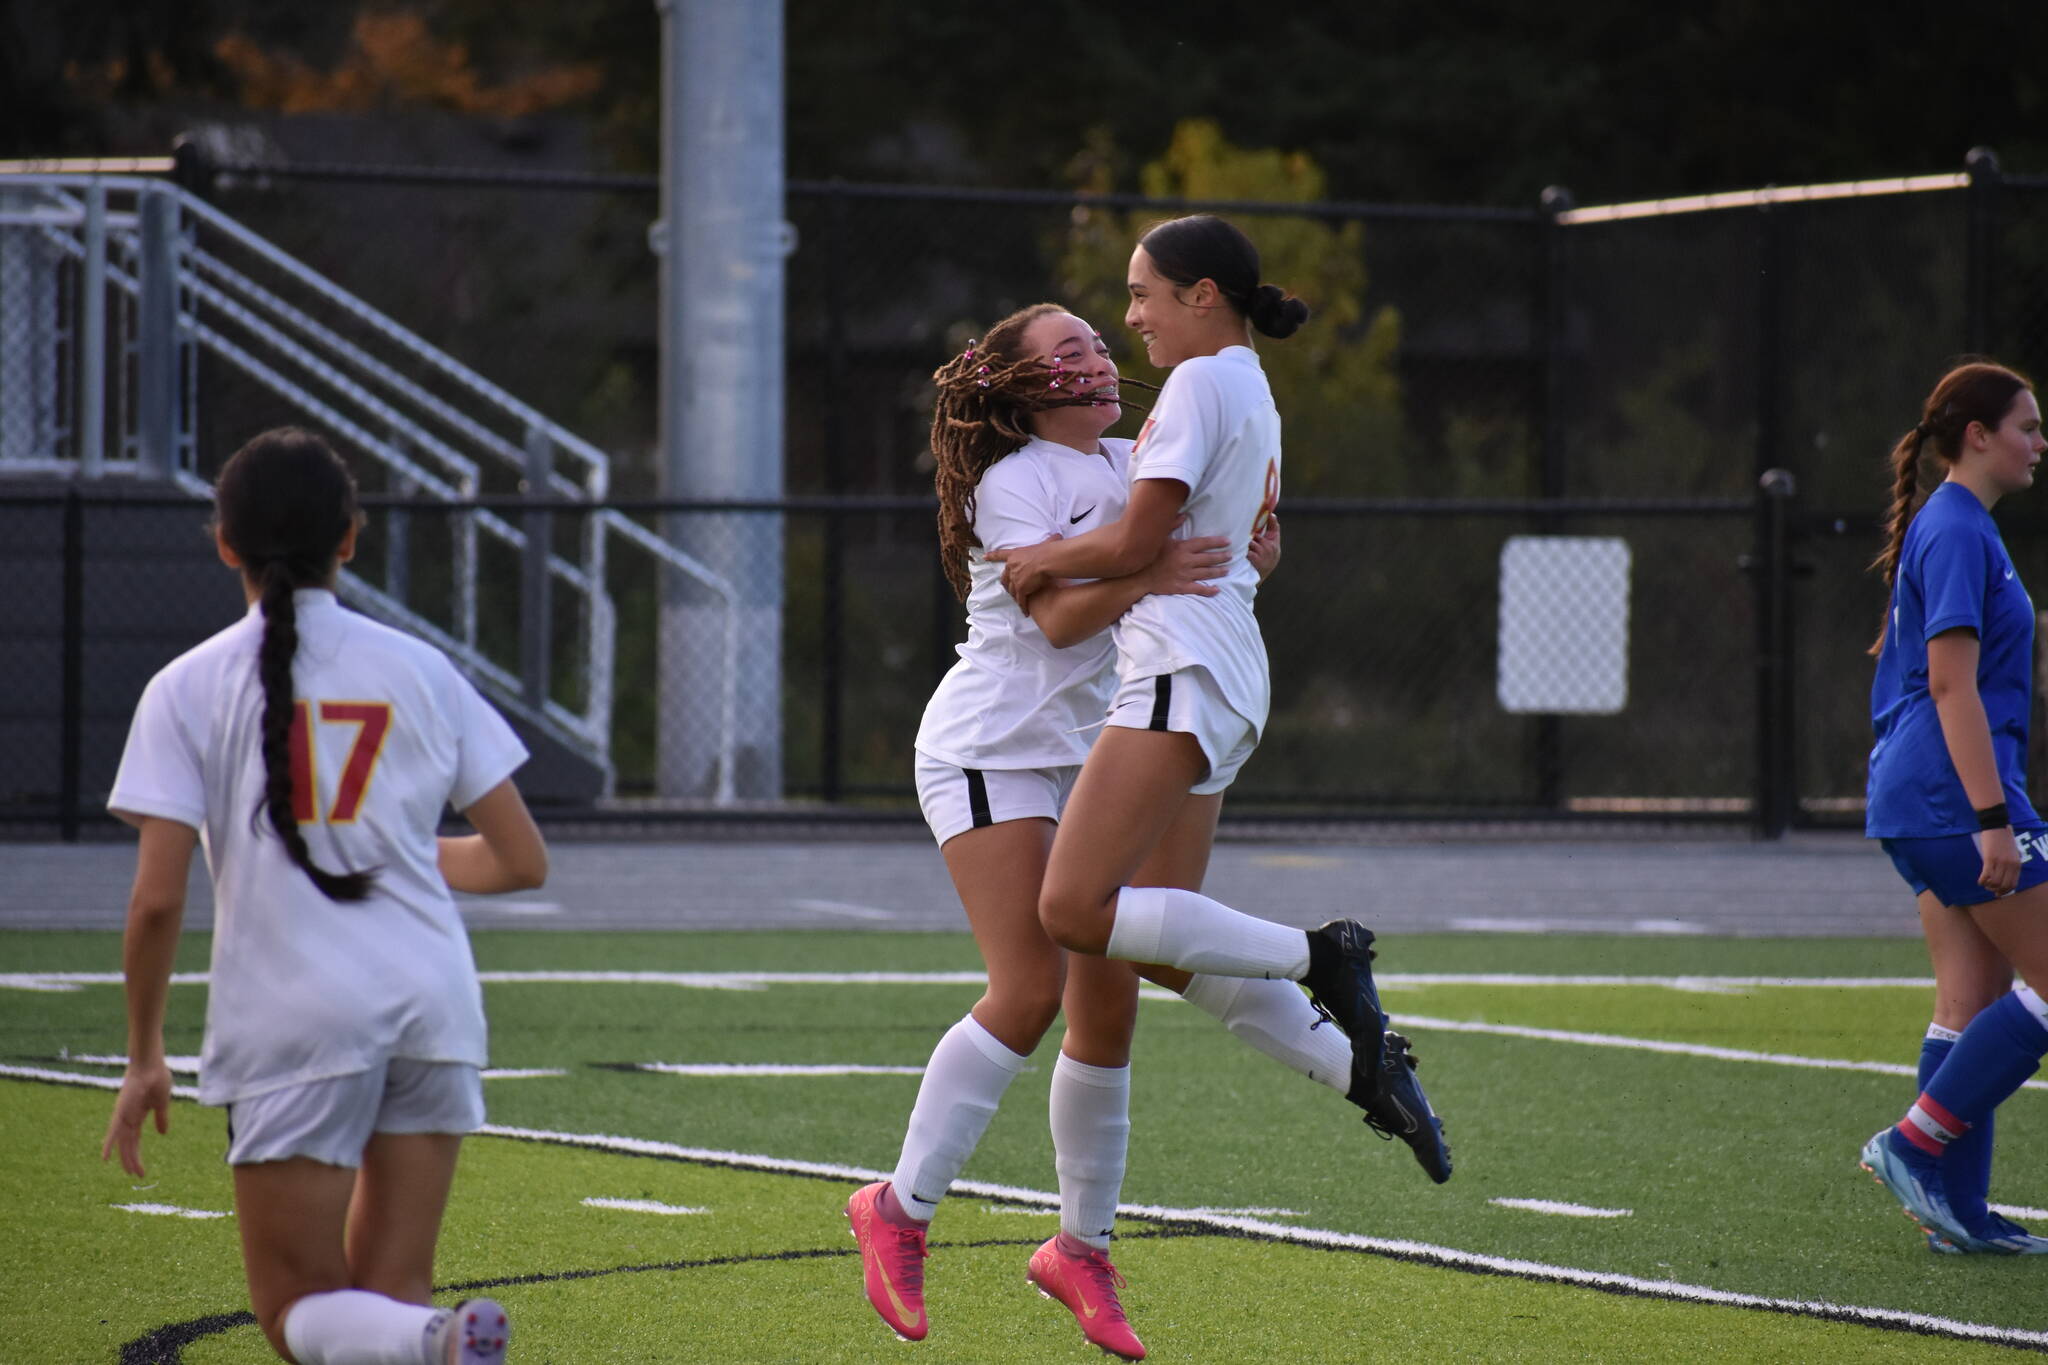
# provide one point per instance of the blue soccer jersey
(1953, 572)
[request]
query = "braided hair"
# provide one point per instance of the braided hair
(986, 396)
(1974, 391)
(283, 503)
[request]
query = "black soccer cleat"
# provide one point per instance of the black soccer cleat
(1339, 981)
(1401, 1110)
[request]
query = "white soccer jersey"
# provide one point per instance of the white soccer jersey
(1214, 429)
(304, 987)
(1013, 700)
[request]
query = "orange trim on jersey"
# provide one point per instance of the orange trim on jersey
(372, 720)
(1143, 432)
(1272, 498)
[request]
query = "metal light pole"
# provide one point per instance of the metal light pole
(722, 241)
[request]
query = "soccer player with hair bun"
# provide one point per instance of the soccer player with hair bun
(1017, 437)
(314, 751)
(1192, 675)
(1948, 796)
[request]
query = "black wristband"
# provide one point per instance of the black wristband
(1994, 817)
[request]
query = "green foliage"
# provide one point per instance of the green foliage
(1334, 380)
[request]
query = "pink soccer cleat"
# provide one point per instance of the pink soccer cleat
(891, 1261)
(1086, 1283)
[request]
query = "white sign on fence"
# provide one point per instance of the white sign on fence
(1564, 625)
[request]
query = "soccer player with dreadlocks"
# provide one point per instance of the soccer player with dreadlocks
(1020, 458)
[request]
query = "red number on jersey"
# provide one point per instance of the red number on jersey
(372, 720)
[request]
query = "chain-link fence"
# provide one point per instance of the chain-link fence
(1395, 711)
(1474, 378)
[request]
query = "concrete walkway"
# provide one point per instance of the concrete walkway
(1805, 885)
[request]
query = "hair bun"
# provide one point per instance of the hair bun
(1274, 312)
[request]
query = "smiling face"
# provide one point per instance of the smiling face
(1083, 370)
(1158, 314)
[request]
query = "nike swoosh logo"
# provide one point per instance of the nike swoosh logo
(873, 1257)
(1075, 520)
(895, 1299)
(2008, 572)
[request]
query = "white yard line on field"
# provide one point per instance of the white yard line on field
(1449, 1258)
(169, 1211)
(1719, 1054)
(843, 909)
(756, 981)
(749, 981)
(37, 1073)
(772, 1069)
(642, 1206)
(1564, 1210)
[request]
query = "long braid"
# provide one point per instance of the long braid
(284, 501)
(985, 398)
(1977, 391)
(1905, 467)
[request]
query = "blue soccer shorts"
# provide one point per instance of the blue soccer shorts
(1950, 865)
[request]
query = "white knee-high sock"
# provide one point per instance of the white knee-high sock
(963, 1083)
(356, 1327)
(1276, 1018)
(1091, 1131)
(1186, 929)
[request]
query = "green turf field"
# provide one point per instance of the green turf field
(1271, 1223)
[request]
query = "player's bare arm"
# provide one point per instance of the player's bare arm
(1117, 550)
(156, 913)
(506, 853)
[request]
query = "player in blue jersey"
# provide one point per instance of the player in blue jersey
(1948, 797)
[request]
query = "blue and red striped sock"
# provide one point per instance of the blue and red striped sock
(1966, 1169)
(2001, 1048)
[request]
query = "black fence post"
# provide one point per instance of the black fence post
(1982, 165)
(1776, 770)
(1551, 477)
(832, 598)
(71, 725)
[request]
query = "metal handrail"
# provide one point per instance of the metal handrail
(417, 439)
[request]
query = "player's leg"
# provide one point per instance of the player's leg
(996, 868)
(1090, 1116)
(1271, 1016)
(1969, 975)
(1997, 1050)
(294, 1153)
(291, 1215)
(393, 1225)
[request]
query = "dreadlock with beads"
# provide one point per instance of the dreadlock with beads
(986, 396)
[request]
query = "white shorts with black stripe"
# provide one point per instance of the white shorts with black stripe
(331, 1120)
(1191, 703)
(956, 800)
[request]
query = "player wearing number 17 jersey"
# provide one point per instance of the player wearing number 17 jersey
(313, 752)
